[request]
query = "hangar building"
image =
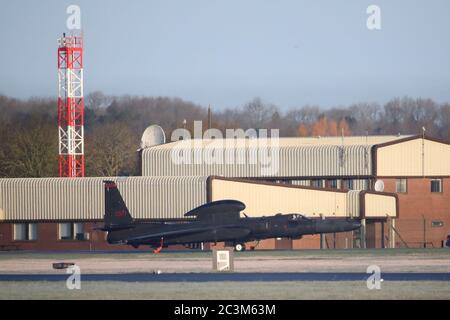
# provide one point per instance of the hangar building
(320, 177)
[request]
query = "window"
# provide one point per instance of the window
(71, 231)
(301, 182)
(79, 231)
(348, 184)
(32, 231)
(436, 185)
(333, 184)
(317, 183)
(25, 231)
(65, 231)
(437, 224)
(401, 186)
(20, 231)
(362, 184)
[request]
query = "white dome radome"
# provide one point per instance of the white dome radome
(152, 136)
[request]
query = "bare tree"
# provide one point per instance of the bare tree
(111, 150)
(367, 117)
(259, 113)
(29, 152)
(97, 100)
(28, 128)
(443, 121)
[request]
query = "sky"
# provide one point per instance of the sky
(225, 53)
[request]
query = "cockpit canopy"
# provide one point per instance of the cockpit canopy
(297, 217)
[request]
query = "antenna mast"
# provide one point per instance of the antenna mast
(70, 106)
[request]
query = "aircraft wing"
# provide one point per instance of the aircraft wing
(222, 209)
(240, 232)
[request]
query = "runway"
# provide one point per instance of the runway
(239, 277)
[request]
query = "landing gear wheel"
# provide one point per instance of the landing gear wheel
(239, 247)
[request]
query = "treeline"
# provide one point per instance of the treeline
(114, 125)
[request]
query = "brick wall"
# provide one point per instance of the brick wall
(419, 207)
(47, 239)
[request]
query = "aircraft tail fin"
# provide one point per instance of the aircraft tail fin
(116, 215)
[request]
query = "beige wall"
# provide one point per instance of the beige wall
(405, 159)
(379, 205)
(264, 200)
(437, 159)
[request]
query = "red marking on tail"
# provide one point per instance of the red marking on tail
(120, 213)
(110, 185)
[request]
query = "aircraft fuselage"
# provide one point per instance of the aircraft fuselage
(239, 231)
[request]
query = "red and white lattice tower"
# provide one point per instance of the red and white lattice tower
(71, 106)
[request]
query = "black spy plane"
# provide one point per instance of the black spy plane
(214, 222)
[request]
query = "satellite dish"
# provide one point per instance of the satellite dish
(379, 186)
(152, 136)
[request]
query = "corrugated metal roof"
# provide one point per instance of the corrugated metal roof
(83, 198)
(289, 141)
(353, 202)
(293, 161)
(283, 157)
